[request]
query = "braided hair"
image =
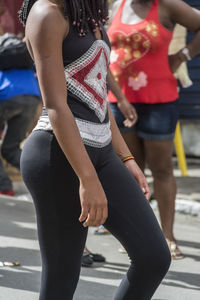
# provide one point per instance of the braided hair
(85, 15)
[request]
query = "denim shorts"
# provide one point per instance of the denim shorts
(155, 121)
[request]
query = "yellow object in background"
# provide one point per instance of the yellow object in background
(180, 151)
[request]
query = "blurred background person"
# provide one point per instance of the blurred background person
(6, 24)
(19, 100)
(140, 34)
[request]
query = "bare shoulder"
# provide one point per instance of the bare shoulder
(176, 5)
(46, 18)
(182, 13)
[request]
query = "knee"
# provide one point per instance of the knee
(162, 172)
(160, 260)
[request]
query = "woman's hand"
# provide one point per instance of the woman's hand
(93, 203)
(129, 113)
(139, 176)
(175, 61)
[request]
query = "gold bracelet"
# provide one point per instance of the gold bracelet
(126, 158)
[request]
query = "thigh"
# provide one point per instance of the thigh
(51, 181)
(55, 190)
(130, 219)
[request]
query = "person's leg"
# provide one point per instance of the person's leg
(159, 160)
(20, 111)
(132, 221)
(55, 191)
(156, 127)
(5, 182)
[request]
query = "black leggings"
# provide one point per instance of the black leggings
(55, 190)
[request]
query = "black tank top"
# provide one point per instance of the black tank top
(86, 60)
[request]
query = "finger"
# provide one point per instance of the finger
(99, 214)
(147, 195)
(104, 215)
(125, 114)
(146, 190)
(84, 213)
(128, 123)
(134, 113)
(131, 116)
(90, 221)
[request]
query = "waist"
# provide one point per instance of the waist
(96, 135)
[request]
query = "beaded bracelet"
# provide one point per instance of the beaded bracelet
(126, 158)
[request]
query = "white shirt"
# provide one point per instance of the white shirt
(128, 15)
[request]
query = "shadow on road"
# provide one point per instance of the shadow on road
(17, 219)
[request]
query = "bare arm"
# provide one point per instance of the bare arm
(181, 13)
(122, 150)
(126, 108)
(46, 39)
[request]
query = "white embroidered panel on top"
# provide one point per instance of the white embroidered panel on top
(86, 78)
(92, 134)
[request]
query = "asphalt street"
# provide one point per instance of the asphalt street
(18, 241)
(18, 238)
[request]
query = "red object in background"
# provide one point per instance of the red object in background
(9, 21)
(8, 193)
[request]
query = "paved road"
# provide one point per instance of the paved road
(18, 241)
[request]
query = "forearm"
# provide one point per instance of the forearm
(68, 136)
(194, 45)
(114, 87)
(118, 142)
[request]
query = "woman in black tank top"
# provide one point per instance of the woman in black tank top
(75, 164)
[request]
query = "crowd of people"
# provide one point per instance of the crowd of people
(75, 67)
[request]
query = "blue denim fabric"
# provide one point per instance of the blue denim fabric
(155, 121)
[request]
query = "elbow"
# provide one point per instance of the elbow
(57, 106)
(57, 111)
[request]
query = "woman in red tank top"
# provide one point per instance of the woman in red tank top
(143, 86)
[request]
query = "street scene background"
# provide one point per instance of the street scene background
(18, 230)
(18, 235)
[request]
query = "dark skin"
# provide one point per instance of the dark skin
(171, 12)
(44, 41)
(158, 154)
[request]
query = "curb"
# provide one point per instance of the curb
(184, 205)
(187, 207)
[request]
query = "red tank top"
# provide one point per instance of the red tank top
(139, 59)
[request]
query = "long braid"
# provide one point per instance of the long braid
(85, 15)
